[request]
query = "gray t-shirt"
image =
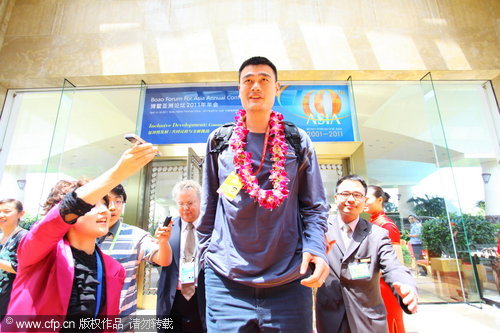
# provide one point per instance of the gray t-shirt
(257, 246)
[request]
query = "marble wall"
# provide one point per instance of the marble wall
(5, 10)
(102, 42)
(3, 93)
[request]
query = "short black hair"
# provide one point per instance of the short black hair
(119, 190)
(258, 61)
(354, 178)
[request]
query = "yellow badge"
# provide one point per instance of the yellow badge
(231, 186)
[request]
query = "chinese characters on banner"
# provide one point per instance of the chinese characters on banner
(189, 114)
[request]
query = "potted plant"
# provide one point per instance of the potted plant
(28, 221)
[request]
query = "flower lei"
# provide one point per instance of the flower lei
(269, 199)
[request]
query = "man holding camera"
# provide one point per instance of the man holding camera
(181, 294)
(129, 245)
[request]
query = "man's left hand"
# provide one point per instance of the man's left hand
(408, 295)
(320, 273)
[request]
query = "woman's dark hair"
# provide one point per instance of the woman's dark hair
(18, 204)
(415, 217)
(59, 190)
(379, 192)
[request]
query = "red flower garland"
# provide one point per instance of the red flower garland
(269, 199)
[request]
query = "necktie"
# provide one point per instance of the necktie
(188, 289)
(346, 235)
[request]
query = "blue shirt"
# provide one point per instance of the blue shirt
(128, 245)
(254, 245)
(416, 229)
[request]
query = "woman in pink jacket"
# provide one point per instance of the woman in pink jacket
(60, 273)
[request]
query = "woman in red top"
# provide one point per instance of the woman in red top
(376, 197)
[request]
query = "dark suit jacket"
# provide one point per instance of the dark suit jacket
(169, 276)
(365, 308)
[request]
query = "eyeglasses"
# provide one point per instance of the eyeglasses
(185, 204)
(117, 202)
(356, 195)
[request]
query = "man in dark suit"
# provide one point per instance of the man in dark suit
(181, 294)
(358, 252)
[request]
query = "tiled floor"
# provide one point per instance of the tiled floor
(439, 318)
(454, 318)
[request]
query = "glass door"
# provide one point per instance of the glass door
(59, 135)
(446, 237)
(161, 176)
(470, 122)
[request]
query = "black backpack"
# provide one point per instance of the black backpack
(220, 140)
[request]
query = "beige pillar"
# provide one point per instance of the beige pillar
(3, 93)
(496, 87)
(491, 177)
(404, 193)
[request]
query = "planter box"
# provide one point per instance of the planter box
(445, 264)
(446, 274)
(468, 278)
(468, 272)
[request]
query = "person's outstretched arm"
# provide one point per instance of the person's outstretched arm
(132, 160)
(44, 235)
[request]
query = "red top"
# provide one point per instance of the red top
(46, 271)
(385, 222)
(395, 321)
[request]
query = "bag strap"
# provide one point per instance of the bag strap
(221, 138)
(292, 136)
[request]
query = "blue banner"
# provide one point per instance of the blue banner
(189, 114)
(324, 112)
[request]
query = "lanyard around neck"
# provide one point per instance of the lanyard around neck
(263, 153)
(115, 237)
(99, 286)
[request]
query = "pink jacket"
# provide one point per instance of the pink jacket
(46, 270)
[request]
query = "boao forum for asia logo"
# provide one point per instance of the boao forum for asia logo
(318, 106)
(323, 111)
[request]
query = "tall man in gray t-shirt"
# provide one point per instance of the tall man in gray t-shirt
(263, 217)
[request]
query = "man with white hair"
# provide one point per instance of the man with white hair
(181, 294)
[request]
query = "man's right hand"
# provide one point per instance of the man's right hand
(163, 256)
(163, 234)
(408, 294)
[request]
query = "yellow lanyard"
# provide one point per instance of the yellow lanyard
(115, 236)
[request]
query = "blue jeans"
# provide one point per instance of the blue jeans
(234, 307)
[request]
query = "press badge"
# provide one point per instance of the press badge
(187, 272)
(359, 270)
(231, 186)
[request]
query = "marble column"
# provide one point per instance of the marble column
(491, 178)
(404, 208)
